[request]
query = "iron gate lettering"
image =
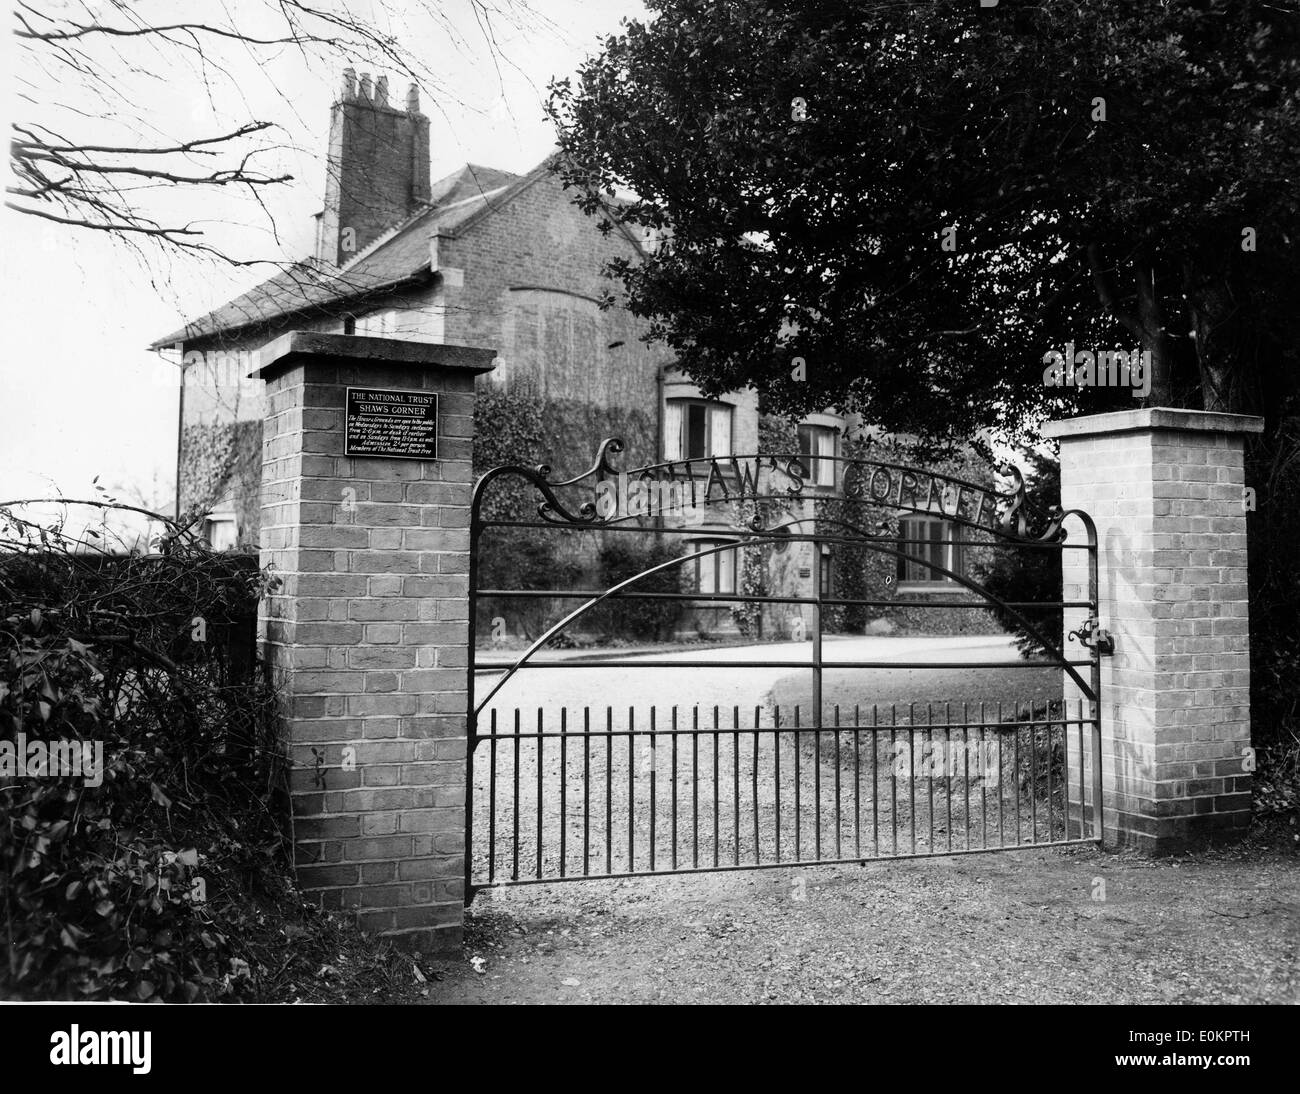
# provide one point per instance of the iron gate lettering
(596, 793)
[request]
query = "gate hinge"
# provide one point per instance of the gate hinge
(1091, 636)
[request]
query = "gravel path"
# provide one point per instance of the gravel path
(570, 786)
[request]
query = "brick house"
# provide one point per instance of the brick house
(485, 258)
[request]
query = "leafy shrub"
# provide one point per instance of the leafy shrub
(144, 886)
(1029, 573)
(623, 557)
(524, 558)
(1273, 467)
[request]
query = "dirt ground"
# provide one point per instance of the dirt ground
(1048, 925)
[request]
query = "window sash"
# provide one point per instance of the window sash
(673, 431)
(816, 452)
(222, 533)
(720, 430)
(726, 571)
(923, 537)
(715, 573)
(696, 430)
(708, 573)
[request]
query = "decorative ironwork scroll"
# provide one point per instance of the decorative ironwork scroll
(1090, 636)
(665, 489)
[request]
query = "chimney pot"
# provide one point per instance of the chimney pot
(413, 100)
(349, 84)
(377, 171)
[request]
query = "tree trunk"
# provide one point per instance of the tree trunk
(1146, 324)
(1209, 308)
(1154, 335)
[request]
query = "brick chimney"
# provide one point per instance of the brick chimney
(378, 167)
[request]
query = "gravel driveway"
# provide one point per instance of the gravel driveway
(683, 768)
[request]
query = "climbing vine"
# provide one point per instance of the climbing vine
(753, 582)
(222, 460)
(515, 425)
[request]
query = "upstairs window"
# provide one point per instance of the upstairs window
(695, 429)
(817, 452)
(926, 539)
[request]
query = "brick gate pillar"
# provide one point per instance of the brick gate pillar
(367, 637)
(1166, 490)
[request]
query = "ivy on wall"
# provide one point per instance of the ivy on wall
(209, 457)
(754, 564)
(862, 572)
(866, 574)
(223, 460)
(766, 568)
(513, 425)
(777, 436)
(507, 430)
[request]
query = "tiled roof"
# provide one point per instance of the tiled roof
(397, 256)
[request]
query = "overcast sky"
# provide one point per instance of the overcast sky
(80, 396)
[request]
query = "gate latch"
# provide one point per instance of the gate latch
(1091, 636)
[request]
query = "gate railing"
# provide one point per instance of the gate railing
(593, 794)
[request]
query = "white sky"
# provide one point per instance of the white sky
(80, 396)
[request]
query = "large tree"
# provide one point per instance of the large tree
(921, 200)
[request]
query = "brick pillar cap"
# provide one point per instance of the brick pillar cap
(1154, 418)
(355, 349)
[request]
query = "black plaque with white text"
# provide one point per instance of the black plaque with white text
(400, 425)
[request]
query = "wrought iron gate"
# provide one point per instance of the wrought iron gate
(632, 784)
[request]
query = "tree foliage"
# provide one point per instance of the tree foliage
(1026, 574)
(923, 200)
(1093, 167)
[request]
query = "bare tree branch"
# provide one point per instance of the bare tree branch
(97, 56)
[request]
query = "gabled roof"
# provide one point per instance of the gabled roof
(470, 181)
(399, 256)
